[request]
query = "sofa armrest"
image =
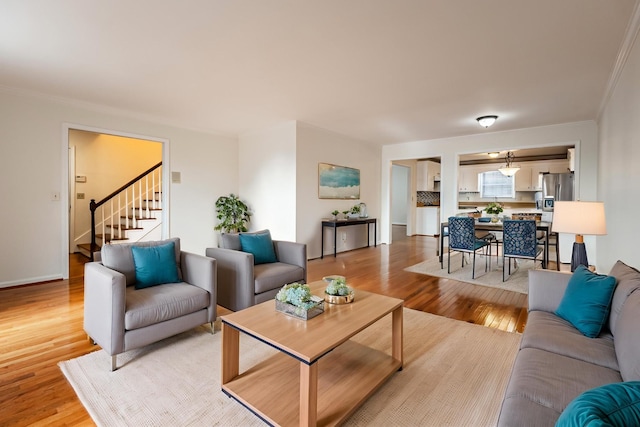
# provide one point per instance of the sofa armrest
(546, 289)
(201, 271)
(104, 306)
(236, 282)
(292, 253)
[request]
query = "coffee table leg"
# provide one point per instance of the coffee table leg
(308, 394)
(396, 335)
(230, 353)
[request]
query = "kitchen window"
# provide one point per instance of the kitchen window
(495, 184)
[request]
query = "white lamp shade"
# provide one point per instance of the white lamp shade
(509, 171)
(579, 218)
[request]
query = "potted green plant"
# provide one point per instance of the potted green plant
(335, 214)
(354, 212)
(494, 209)
(296, 300)
(337, 292)
(232, 213)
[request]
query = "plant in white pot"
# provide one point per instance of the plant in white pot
(494, 209)
(232, 213)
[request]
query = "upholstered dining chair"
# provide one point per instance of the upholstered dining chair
(462, 238)
(519, 241)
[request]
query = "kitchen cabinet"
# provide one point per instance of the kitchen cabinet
(468, 178)
(528, 178)
(428, 220)
(524, 179)
(427, 173)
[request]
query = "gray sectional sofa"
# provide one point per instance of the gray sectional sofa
(556, 363)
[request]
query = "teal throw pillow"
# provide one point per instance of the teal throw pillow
(587, 300)
(260, 245)
(616, 404)
(155, 265)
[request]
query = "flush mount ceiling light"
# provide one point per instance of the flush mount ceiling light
(493, 154)
(509, 169)
(487, 121)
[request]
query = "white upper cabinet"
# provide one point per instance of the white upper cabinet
(426, 175)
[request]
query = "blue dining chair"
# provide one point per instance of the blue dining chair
(519, 240)
(462, 238)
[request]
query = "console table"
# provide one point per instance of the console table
(345, 222)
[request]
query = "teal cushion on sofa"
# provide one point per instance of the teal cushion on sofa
(260, 245)
(155, 265)
(616, 404)
(587, 300)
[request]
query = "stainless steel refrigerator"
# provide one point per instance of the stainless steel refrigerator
(559, 186)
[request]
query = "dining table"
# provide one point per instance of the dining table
(543, 226)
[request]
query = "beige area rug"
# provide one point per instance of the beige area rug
(455, 374)
(517, 282)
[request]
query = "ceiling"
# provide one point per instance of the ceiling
(376, 70)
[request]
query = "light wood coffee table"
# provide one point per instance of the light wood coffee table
(319, 376)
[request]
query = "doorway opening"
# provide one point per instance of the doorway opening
(99, 161)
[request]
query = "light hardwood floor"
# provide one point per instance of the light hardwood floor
(41, 325)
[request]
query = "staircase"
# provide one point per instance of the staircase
(132, 213)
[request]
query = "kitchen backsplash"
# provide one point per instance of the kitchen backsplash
(521, 196)
(428, 198)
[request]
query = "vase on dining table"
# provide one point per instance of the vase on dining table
(494, 218)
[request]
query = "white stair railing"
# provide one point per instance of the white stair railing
(134, 208)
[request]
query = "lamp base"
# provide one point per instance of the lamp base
(579, 256)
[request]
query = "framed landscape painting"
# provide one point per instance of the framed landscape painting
(338, 182)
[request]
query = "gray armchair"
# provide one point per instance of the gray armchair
(242, 284)
(119, 317)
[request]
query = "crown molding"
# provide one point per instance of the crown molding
(631, 35)
(98, 108)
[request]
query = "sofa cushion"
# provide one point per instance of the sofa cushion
(275, 275)
(232, 240)
(628, 281)
(587, 300)
(615, 404)
(546, 331)
(153, 305)
(119, 257)
(627, 339)
(260, 246)
(550, 381)
(155, 265)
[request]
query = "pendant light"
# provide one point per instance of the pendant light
(509, 169)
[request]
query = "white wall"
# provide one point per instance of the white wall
(582, 134)
(316, 145)
(33, 166)
(619, 170)
(400, 176)
(267, 179)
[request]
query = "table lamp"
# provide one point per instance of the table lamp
(579, 218)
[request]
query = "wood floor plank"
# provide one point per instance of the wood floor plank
(41, 324)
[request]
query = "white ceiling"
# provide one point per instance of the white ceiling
(376, 70)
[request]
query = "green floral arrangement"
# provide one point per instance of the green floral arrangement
(296, 294)
(355, 209)
(494, 208)
(338, 287)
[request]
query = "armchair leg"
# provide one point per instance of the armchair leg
(213, 330)
(113, 363)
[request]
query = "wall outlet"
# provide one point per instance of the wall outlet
(343, 236)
